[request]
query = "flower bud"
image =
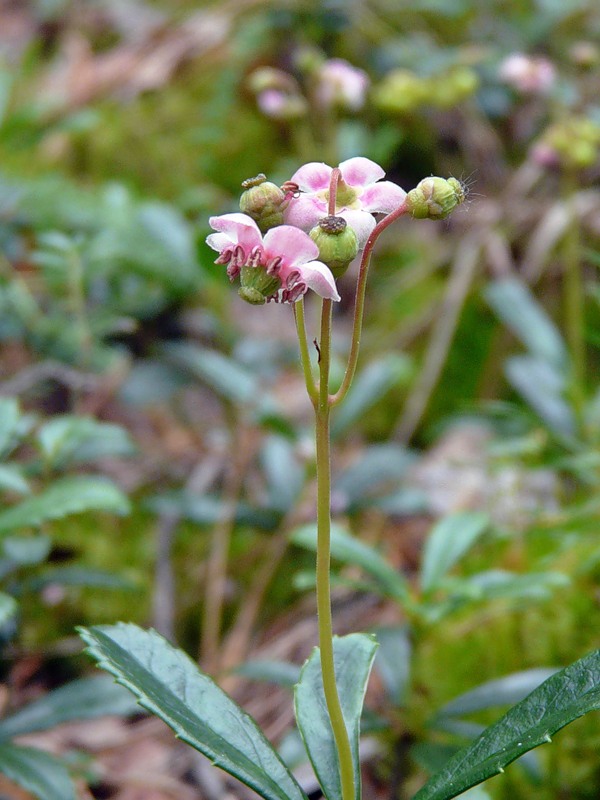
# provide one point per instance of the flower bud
(337, 243)
(434, 198)
(400, 92)
(263, 201)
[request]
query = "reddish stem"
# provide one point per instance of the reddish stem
(333, 185)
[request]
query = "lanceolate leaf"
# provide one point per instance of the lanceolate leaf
(82, 699)
(37, 772)
(66, 496)
(564, 697)
(168, 683)
(450, 539)
(353, 658)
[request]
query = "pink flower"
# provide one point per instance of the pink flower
(360, 194)
(342, 85)
(528, 74)
(285, 257)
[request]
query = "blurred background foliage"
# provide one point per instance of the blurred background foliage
(125, 124)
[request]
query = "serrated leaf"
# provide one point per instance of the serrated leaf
(39, 773)
(561, 699)
(501, 691)
(64, 497)
(168, 683)
(353, 659)
(86, 698)
(447, 543)
(350, 550)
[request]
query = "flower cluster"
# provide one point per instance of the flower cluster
(296, 237)
(275, 245)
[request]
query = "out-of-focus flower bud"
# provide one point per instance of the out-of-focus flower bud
(400, 92)
(449, 89)
(341, 85)
(434, 198)
(277, 93)
(528, 74)
(573, 143)
(337, 243)
(585, 55)
(263, 201)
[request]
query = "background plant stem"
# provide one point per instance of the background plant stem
(574, 298)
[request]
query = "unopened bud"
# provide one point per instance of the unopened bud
(434, 198)
(337, 243)
(263, 201)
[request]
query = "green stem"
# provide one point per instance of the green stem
(304, 354)
(332, 700)
(574, 300)
(359, 302)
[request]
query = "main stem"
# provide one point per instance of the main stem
(332, 699)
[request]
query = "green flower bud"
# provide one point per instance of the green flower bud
(337, 243)
(434, 198)
(400, 92)
(257, 285)
(263, 201)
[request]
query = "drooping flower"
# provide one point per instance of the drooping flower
(280, 266)
(341, 85)
(360, 194)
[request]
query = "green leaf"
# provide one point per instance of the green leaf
(543, 388)
(8, 612)
(13, 480)
(37, 772)
(68, 440)
(168, 683)
(281, 673)
(394, 661)
(223, 374)
(376, 474)
(502, 691)
(353, 658)
(516, 306)
(85, 698)
(349, 550)
(369, 387)
(447, 543)
(561, 699)
(73, 575)
(64, 497)
(27, 550)
(285, 475)
(9, 421)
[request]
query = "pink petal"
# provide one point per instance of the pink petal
(218, 241)
(305, 211)
(319, 278)
(362, 222)
(238, 228)
(293, 245)
(360, 171)
(312, 177)
(384, 197)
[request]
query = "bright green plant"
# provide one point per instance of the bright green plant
(281, 266)
(35, 460)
